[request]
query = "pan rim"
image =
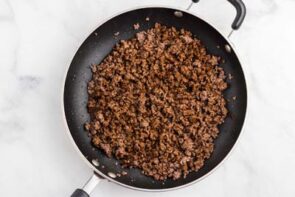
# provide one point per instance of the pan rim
(103, 176)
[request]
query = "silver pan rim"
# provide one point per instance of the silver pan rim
(114, 180)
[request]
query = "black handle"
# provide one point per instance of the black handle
(79, 193)
(241, 12)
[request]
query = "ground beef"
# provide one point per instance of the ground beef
(156, 102)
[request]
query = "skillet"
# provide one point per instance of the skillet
(99, 44)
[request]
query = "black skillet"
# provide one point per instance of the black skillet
(101, 42)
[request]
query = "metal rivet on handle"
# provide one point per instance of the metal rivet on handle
(95, 162)
(227, 48)
(112, 175)
(178, 14)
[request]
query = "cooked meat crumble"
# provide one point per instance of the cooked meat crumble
(156, 102)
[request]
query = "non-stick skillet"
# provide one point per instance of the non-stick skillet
(100, 43)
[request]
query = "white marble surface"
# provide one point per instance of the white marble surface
(38, 39)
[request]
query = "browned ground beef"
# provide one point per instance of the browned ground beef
(155, 102)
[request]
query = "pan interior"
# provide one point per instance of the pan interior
(101, 42)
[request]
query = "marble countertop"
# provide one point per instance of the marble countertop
(37, 42)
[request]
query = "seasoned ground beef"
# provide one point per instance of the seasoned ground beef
(155, 102)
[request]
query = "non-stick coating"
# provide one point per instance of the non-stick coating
(100, 43)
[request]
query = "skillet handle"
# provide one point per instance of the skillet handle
(79, 193)
(241, 12)
(88, 187)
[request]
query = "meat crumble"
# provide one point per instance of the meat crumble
(156, 101)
